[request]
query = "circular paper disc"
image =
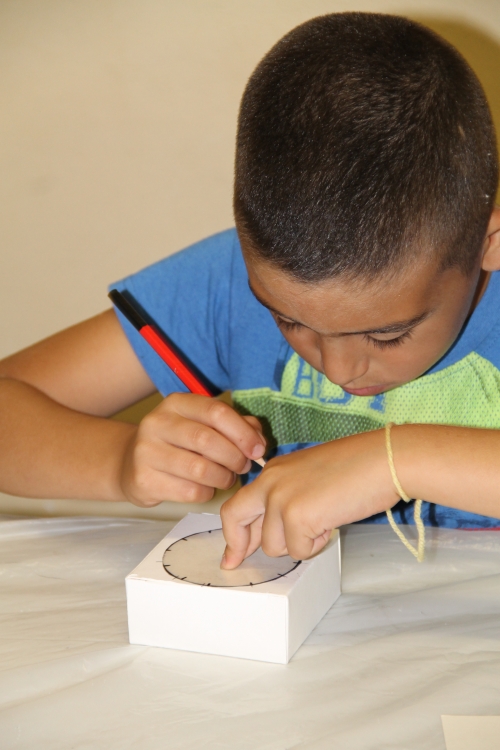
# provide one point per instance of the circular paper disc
(196, 559)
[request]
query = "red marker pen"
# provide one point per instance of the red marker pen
(157, 342)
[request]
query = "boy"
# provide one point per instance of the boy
(357, 291)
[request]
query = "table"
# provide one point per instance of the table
(404, 644)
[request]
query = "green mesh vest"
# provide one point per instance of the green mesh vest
(310, 409)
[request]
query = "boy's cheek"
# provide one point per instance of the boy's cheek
(416, 357)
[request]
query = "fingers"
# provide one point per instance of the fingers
(207, 442)
(255, 536)
(149, 488)
(186, 447)
(241, 525)
(157, 471)
(188, 465)
(255, 423)
(302, 545)
(274, 541)
(247, 525)
(320, 542)
(301, 530)
(274, 513)
(255, 529)
(285, 532)
(242, 433)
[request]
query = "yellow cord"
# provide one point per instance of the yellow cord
(417, 514)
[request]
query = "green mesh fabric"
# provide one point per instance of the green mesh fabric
(288, 420)
(309, 408)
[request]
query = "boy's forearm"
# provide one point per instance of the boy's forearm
(48, 450)
(458, 467)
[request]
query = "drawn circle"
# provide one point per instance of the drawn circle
(196, 559)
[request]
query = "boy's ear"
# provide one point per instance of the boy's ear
(491, 252)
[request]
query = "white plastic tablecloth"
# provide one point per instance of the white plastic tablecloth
(404, 644)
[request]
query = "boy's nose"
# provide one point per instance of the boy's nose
(342, 363)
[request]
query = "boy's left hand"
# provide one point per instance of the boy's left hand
(292, 507)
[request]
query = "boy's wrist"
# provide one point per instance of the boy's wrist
(377, 478)
(119, 450)
(412, 445)
(389, 495)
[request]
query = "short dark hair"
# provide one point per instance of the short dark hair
(364, 140)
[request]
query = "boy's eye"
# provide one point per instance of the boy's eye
(286, 325)
(290, 325)
(386, 343)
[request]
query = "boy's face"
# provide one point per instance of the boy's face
(369, 337)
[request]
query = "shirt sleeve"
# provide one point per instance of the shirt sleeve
(187, 296)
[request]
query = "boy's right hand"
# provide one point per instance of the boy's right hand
(186, 448)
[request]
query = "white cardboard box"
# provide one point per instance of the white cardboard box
(263, 610)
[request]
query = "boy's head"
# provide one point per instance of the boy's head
(366, 156)
(364, 141)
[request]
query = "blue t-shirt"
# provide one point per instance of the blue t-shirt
(201, 300)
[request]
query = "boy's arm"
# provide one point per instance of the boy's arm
(54, 395)
(458, 467)
(90, 367)
(55, 440)
(298, 499)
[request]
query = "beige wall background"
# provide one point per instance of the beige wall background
(116, 143)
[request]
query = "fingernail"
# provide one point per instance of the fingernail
(258, 451)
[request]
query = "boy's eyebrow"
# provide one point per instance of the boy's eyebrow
(398, 327)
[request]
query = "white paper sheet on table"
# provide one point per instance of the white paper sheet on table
(471, 732)
(404, 644)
